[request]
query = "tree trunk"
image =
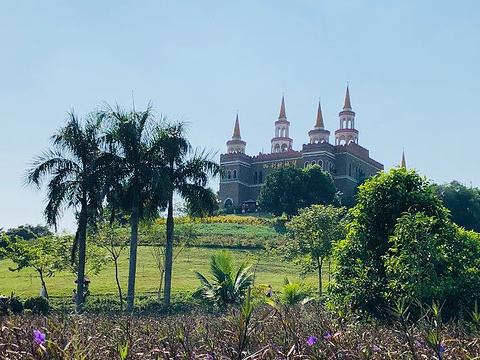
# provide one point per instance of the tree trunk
(82, 247)
(133, 254)
(115, 259)
(168, 254)
(320, 285)
(40, 272)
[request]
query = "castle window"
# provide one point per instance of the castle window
(320, 162)
(313, 162)
(260, 177)
(234, 174)
(229, 175)
(284, 147)
(349, 169)
(255, 177)
(228, 203)
(306, 163)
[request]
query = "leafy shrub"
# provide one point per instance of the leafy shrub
(10, 304)
(16, 305)
(293, 293)
(401, 243)
(38, 305)
(229, 286)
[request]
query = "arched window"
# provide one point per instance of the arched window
(320, 162)
(276, 148)
(284, 147)
(313, 162)
(228, 203)
(306, 163)
(229, 174)
(234, 174)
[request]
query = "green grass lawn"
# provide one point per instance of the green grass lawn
(269, 270)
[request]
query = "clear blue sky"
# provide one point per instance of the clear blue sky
(413, 69)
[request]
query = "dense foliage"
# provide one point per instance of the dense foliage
(463, 203)
(400, 233)
(287, 190)
(432, 262)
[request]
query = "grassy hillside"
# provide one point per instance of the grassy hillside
(269, 270)
(246, 236)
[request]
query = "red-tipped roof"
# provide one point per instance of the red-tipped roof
(282, 115)
(347, 104)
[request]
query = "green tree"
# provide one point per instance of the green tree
(135, 182)
(27, 232)
(312, 235)
(288, 189)
(73, 170)
(229, 285)
(41, 254)
(186, 173)
(463, 203)
(360, 276)
(433, 262)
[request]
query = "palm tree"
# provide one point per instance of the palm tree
(185, 173)
(229, 286)
(73, 170)
(134, 180)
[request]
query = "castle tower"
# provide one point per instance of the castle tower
(347, 132)
(282, 142)
(319, 134)
(236, 145)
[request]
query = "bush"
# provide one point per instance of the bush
(10, 304)
(38, 305)
(16, 305)
(401, 244)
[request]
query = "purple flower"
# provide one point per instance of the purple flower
(418, 343)
(441, 351)
(40, 338)
(377, 348)
(328, 334)
(209, 357)
(311, 340)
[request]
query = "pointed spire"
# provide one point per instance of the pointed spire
(282, 110)
(319, 124)
(404, 164)
(347, 104)
(236, 129)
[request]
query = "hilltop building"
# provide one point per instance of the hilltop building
(347, 161)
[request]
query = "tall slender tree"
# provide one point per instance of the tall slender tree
(186, 173)
(135, 176)
(73, 172)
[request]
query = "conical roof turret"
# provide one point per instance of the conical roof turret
(236, 129)
(347, 105)
(236, 144)
(282, 114)
(404, 164)
(319, 123)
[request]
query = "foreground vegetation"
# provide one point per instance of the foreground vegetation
(282, 332)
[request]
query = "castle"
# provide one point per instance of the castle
(347, 161)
